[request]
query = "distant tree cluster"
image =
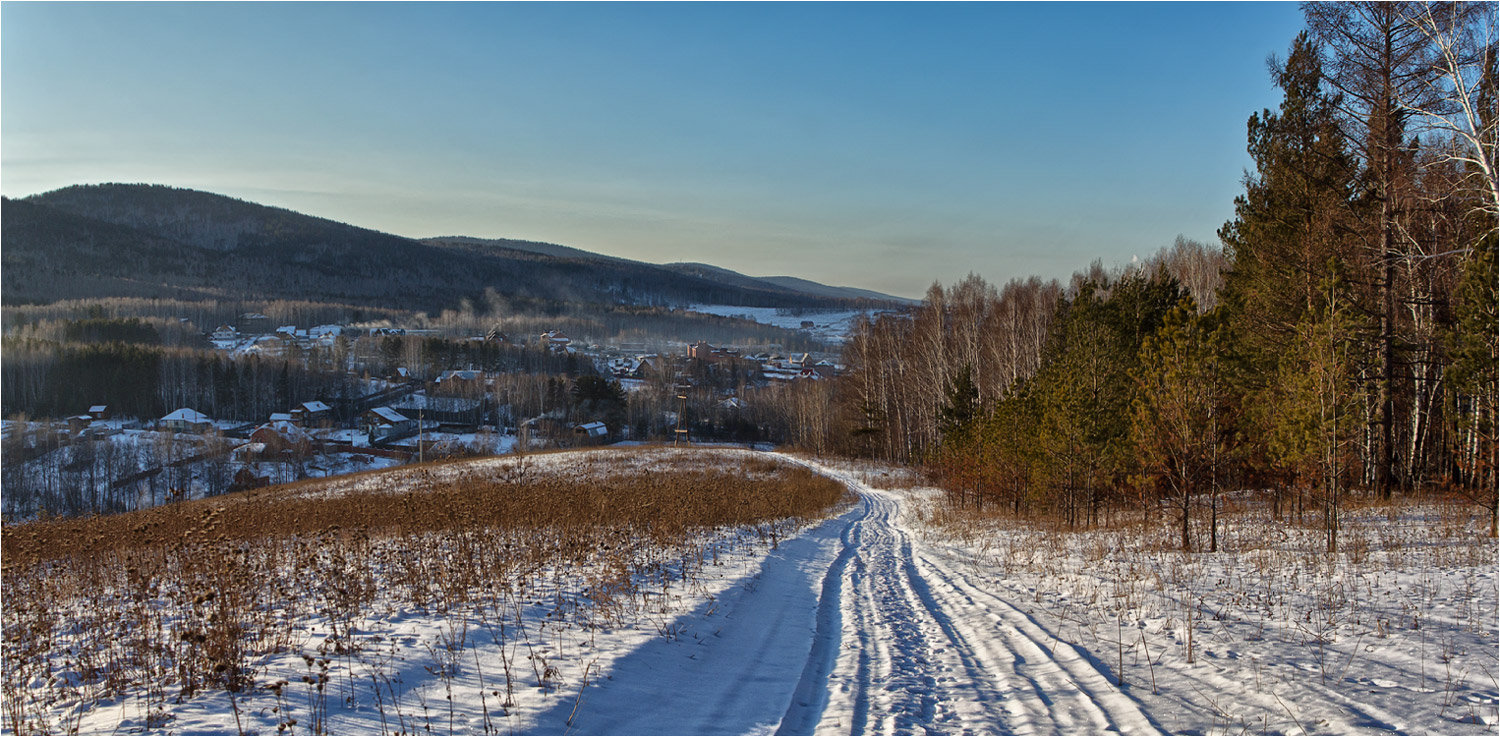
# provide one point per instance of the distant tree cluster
(109, 330)
(49, 379)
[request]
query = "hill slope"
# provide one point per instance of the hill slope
(824, 290)
(93, 241)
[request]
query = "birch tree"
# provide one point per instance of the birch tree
(1458, 101)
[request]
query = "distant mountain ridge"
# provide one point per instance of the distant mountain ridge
(92, 241)
(689, 268)
(536, 247)
(812, 287)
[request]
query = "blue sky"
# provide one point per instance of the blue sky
(875, 145)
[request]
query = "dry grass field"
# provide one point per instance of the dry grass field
(146, 610)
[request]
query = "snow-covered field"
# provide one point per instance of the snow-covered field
(80, 475)
(1395, 634)
(893, 616)
(829, 326)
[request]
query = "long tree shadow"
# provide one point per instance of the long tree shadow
(731, 666)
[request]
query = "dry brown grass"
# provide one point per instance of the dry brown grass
(174, 600)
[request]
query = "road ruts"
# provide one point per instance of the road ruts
(913, 646)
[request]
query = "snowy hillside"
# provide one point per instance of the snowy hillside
(888, 616)
(828, 326)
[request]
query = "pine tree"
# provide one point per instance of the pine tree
(962, 406)
(1083, 387)
(1179, 419)
(1287, 224)
(1289, 229)
(1315, 418)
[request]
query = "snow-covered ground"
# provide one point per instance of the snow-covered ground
(79, 474)
(828, 326)
(1109, 631)
(893, 618)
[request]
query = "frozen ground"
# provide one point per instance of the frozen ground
(830, 327)
(1111, 631)
(890, 619)
(85, 475)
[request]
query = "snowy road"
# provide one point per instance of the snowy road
(856, 628)
(922, 650)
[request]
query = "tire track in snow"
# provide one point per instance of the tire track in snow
(1080, 696)
(907, 671)
(928, 651)
(811, 694)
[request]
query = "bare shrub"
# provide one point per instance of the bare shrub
(167, 602)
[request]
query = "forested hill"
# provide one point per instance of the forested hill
(135, 240)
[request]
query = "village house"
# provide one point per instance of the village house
(621, 368)
(779, 375)
(325, 333)
(312, 414)
(187, 420)
(556, 340)
(225, 333)
(247, 453)
(246, 478)
(99, 411)
(645, 365)
(265, 345)
(453, 413)
(590, 433)
(281, 439)
(828, 369)
(543, 429)
(456, 377)
(384, 423)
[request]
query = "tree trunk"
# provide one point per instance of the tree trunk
(1385, 448)
(1187, 505)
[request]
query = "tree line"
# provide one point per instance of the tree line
(1343, 341)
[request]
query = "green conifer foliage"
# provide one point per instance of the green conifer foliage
(1180, 419)
(1316, 400)
(1475, 376)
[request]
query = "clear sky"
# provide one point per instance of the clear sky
(882, 145)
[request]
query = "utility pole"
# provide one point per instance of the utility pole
(681, 435)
